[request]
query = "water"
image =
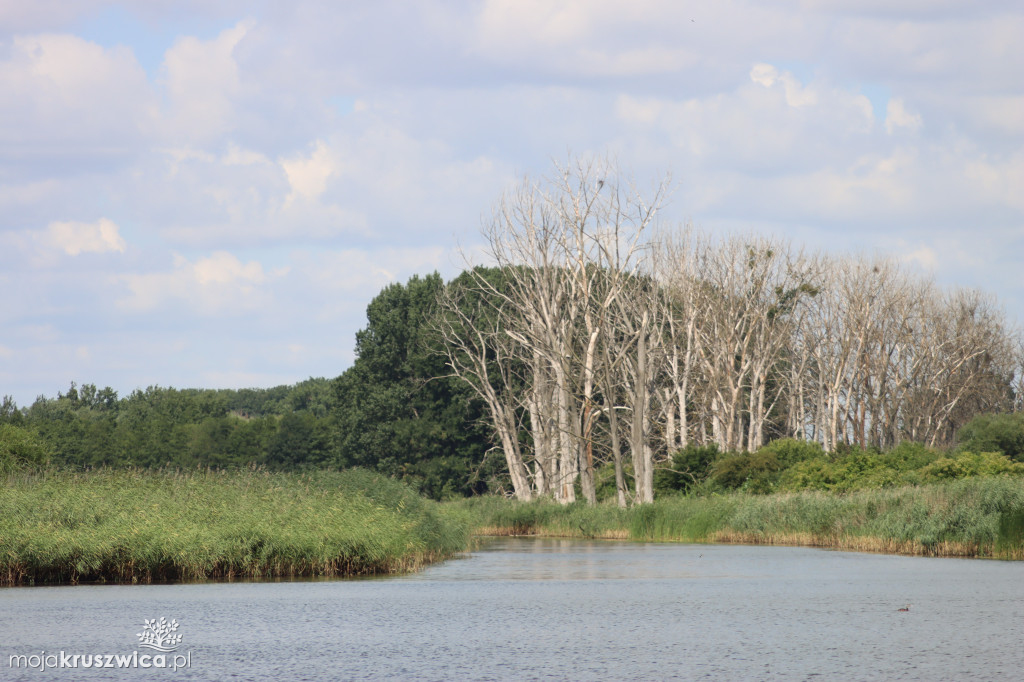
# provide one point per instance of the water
(558, 609)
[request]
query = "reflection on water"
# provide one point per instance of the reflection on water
(521, 608)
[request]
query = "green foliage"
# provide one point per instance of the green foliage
(790, 451)
(690, 466)
(21, 450)
(969, 464)
(995, 433)
(395, 411)
(908, 456)
(496, 513)
(9, 412)
(981, 516)
(762, 472)
(754, 472)
(790, 465)
(604, 480)
(300, 440)
(131, 526)
(1011, 530)
(855, 471)
(185, 428)
(907, 464)
(398, 412)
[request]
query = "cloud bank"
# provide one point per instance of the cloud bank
(189, 192)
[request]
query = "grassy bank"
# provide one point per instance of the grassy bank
(130, 526)
(978, 517)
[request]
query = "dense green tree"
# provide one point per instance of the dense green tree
(9, 411)
(397, 409)
(249, 441)
(89, 427)
(301, 440)
(995, 433)
(21, 449)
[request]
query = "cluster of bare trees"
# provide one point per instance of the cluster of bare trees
(602, 338)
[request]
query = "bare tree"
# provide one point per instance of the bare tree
(567, 245)
(600, 339)
(482, 356)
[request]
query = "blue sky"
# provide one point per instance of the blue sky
(209, 194)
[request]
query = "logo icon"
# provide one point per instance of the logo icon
(159, 635)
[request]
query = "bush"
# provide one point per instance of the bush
(790, 451)
(858, 471)
(690, 466)
(969, 464)
(909, 456)
(762, 471)
(754, 472)
(20, 449)
(995, 432)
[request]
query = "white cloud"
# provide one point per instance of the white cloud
(68, 103)
(308, 175)
(74, 238)
(223, 268)
(233, 154)
(772, 124)
(898, 116)
(764, 74)
(202, 82)
(925, 257)
(796, 95)
(588, 38)
(218, 284)
(237, 156)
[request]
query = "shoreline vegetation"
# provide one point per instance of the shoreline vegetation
(130, 526)
(978, 517)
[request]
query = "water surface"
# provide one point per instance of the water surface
(522, 608)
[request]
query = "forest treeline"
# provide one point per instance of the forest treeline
(393, 411)
(600, 354)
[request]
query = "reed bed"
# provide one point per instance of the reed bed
(133, 526)
(977, 517)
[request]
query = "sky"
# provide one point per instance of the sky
(208, 194)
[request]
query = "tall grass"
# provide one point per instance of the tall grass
(132, 526)
(981, 517)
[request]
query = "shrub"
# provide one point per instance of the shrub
(811, 475)
(969, 464)
(20, 449)
(690, 466)
(909, 456)
(762, 471)
(754, 472)
(790, 451)
(995, 432)
(863, 471)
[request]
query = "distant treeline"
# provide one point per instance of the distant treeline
(394, 412)
(86, 427)
(397, 411)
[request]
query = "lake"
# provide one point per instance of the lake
(527, 608)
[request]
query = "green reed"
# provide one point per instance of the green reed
(134, 526)
(981, 517)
